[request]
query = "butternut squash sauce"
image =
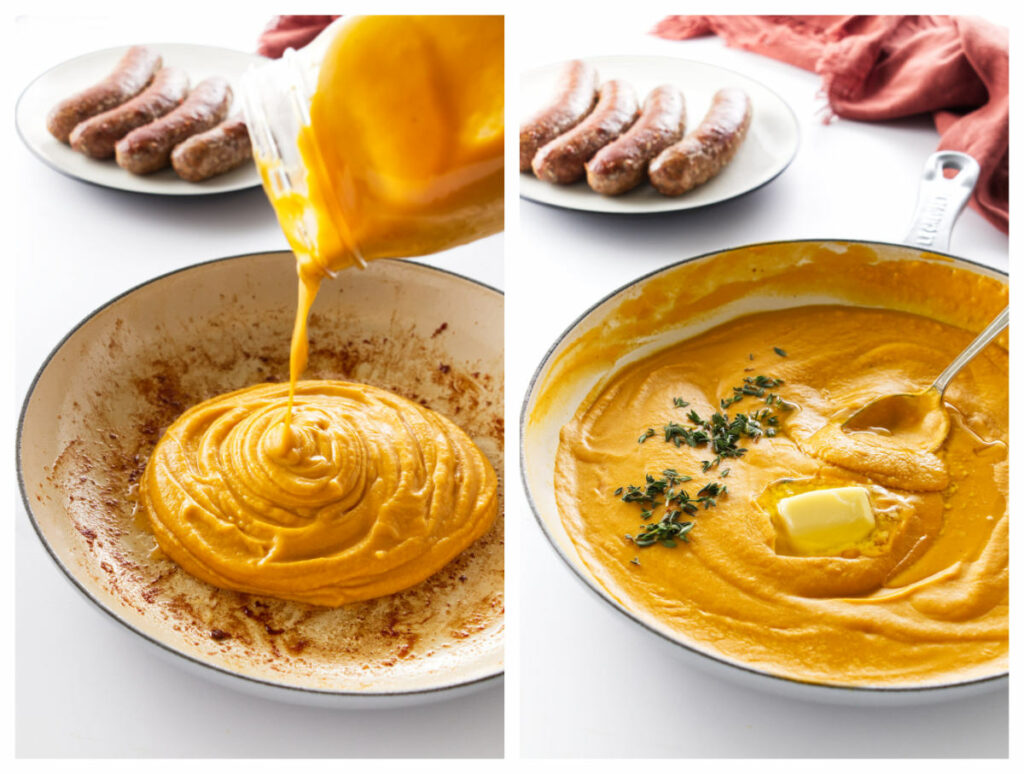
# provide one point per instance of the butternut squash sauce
(330, 492)
(921, 599)
(373, 494)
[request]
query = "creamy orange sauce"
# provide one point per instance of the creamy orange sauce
(374, 494)
(404, 152)
(404, 149)
(330, 492)
(921, 599)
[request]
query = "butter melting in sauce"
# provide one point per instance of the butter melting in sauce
(922, 597)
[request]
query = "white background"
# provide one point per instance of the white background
(593, 684)
(86, 687)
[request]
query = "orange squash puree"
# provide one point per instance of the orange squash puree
(853, 272)
(376, 494)
(329, 492)
(404, 150)
(922, 599)
(404, 153)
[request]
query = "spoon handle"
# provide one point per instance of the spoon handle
(993, 329)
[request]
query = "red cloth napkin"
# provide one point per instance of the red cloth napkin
(881, 67)
(290, 32)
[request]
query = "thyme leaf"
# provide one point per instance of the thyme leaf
(722, 434)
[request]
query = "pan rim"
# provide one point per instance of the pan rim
(492, 677)
(717, 660)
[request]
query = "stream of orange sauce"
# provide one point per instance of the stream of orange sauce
(333, 492)
(404, 150)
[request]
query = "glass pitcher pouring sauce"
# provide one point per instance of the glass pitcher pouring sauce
(383, 138)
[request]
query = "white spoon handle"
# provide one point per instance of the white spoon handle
(993, 329)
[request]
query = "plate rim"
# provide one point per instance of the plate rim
(831, 689)
(597, 198)
(184, 193)
(493, 676)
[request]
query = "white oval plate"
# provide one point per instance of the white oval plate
(81, 72)
(770, 145)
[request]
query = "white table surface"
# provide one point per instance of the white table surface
(84, 687)
(586, 686)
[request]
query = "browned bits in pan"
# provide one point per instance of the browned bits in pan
(704, 153)
(131, 75)
(562, 159)
(97, 136)
(621, 165)
(575, 98)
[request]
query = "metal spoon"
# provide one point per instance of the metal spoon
(918, 418)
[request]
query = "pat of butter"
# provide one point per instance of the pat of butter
(827, 519)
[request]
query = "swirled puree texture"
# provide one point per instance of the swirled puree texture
(372, 495)
(332, 492)
(923, 597)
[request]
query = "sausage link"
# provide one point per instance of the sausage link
(622, 165)
(96, 137)
(562, 159)
(704, 153)
(212, 153)
(576, 95)
(148, 148)
(131, 75)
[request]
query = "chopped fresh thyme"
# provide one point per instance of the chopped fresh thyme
(678, 434)
(635, 560)
(755, 385)
(780, 352)
(663, 532)
(734, 398)
(722, 434)
(677, 503)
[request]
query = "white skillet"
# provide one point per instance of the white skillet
(940, 202)
(108, 388)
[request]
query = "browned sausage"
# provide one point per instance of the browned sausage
(212, 153)
(562, 159)
(131, 75)
(577, 93)
(622, 165)
(97, 136)
(148, 148)
(704, 153)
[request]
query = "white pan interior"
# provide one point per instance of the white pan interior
(112, 386)
(686, 299)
